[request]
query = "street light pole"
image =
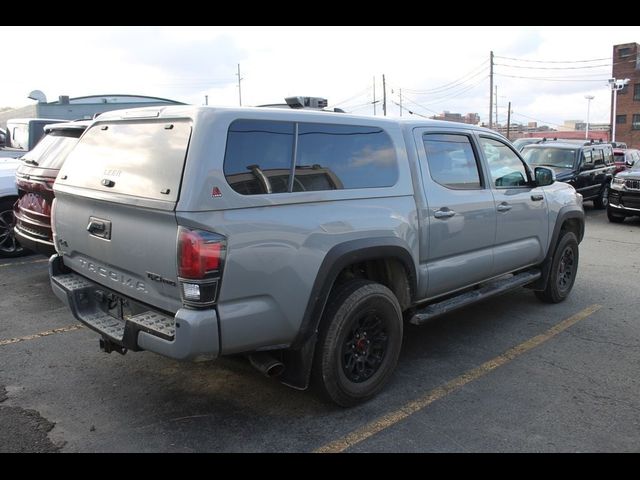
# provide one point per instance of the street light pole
(616, 84)
(589, 98)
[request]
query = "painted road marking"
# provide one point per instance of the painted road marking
(410, 408)
(68, 328)
(42, 260)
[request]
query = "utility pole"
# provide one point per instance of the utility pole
(384, 95)
(496, 88)
(239, 85)
(508, 120)
(400, 102)
(374, 95)
(586, 130)
(491, 89)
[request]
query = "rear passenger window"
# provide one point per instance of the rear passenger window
(598, 158)
(608, 156)
(333, 157)
(451, 161)
(259, 156)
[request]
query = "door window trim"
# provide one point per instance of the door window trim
(476, 156)
(527, 169)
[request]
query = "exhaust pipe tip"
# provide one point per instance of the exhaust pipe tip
(267, 364)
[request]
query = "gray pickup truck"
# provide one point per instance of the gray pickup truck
(303, 239)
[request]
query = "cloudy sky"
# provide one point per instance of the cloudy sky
(437, 68)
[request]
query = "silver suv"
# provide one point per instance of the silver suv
(302, 239)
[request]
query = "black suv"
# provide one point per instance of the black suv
(587, 166)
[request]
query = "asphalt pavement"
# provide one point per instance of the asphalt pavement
(508, 375)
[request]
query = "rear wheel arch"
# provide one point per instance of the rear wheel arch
(388, 261)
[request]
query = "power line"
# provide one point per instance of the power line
(552, 68)
(551, 79)
(553, 61)
(460, 84)
(456, 94)
(411, 112)
(407, 98)
(464, 88)
(449, 85)
(359, 94)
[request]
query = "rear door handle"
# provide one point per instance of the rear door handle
(537, 197)
(444, 213)
(504, 207)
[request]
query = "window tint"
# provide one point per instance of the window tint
(549, 157)
(51, 151)
(608, 155)
(258, 157)
(333, 157)
(507, 170)
(141, 159)
(598, 158)
(451, 161)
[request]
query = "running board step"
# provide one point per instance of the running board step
(488, 290)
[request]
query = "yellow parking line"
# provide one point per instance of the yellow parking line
(410, 408)
(68, 328)
(42, 260)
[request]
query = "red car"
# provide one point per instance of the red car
(625, 158)
(34, 179)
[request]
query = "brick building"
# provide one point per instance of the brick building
(470, 118)
(626, 64)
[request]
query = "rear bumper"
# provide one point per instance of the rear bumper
(34, 244)
(188, 335)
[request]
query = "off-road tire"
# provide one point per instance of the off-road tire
(564, 269)
(359, 342)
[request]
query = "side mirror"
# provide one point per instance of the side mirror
(544, 176)
(629, 163)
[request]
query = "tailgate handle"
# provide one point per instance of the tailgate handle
(99, 228)
(95, 226)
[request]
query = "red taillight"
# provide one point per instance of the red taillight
(200, 253)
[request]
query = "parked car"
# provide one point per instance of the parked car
(9, 246)
(624, 195)
(520, 143)
(34, 179)
(586, 166)
(625, 158)
(300, 238)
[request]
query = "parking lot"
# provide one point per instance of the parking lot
(509, 374)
